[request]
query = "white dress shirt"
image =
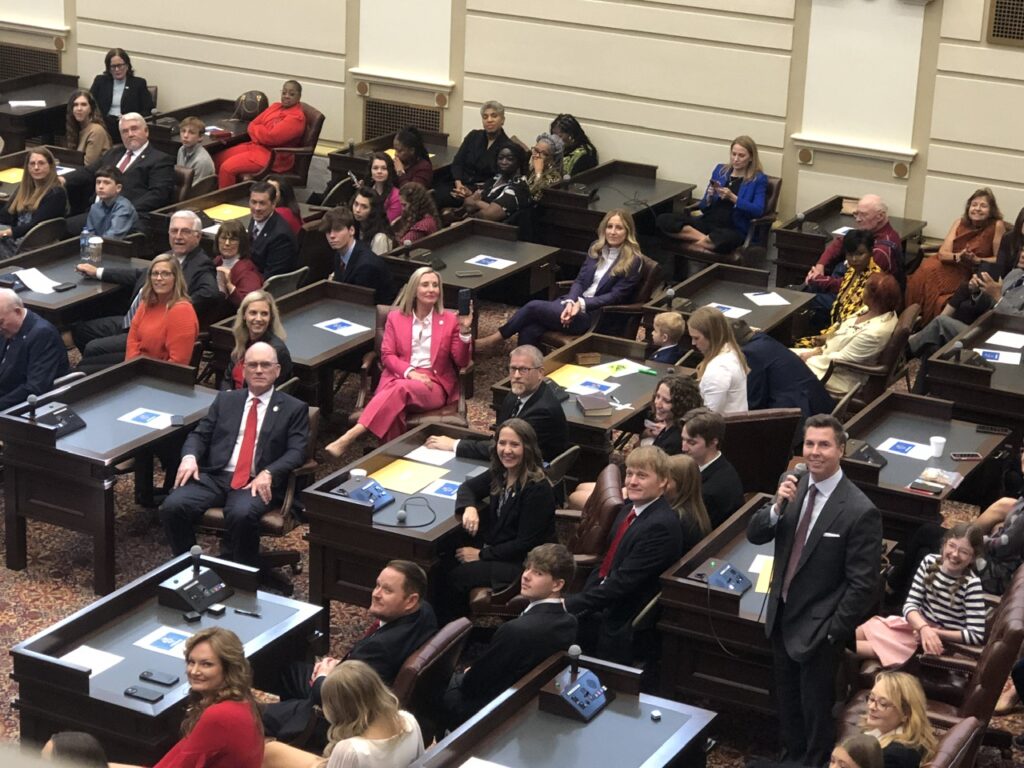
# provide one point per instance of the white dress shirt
(261, 411)
(422, 330)
(604, 263)
(825, 488)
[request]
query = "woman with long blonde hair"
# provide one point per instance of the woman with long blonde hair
(684, 494)
(723, 371)
(897, 716)
(39, 197)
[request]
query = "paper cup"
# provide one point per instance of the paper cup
(357, 474)
(938, 445)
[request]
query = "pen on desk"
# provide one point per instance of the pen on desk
(614, 399)
(246, 612)
(649, 371)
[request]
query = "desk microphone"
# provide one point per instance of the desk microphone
(670, 293)
(32, 400)
(798, 472)
(196, 553)
(401, 516)
(574, 660)
(351, 148)
(800, 218)
(954, 352)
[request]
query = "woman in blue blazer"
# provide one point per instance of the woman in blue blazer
(735, 196)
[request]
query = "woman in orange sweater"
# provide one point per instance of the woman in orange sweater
(165, 326)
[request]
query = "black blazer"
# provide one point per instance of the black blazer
(780, 379)
(136, 96)
(276, 250)
(54, 205)
(367, 269)
(200, 279)
(527, 519)
(31, 360)
(474, 163)
(669, 355)
(835, 586)
(542, 411)
(670, 440)
(148, 182)
(650, 545)
(721, 489)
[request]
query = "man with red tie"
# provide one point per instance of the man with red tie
(646, 539)
(239, 458)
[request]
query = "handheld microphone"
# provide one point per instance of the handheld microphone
(196, 552)
(798, 472)
(800, 217)
(670, 293)
(955, 351)
(32, 400)
(574, 659)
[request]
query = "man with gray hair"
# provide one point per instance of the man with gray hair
(102, 340)
(531, 400)
(33, 354)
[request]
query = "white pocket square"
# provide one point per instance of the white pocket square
(830, 535)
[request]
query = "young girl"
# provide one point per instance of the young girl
(384, 181)
(945, 603)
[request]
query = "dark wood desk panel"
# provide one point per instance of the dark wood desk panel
(69, 481)
(512, 731)
(20, 123)
(315, 352)
(593, 433)
(216, 112)
(917, 418)
(570, 212)
(356, 158)
(55, 695)
(800, 242)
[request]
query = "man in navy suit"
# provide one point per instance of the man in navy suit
(721, 486)
(274, 247)
(33, 354)
(646, 539)
(354, 262)
(238, 457)
(828, 548)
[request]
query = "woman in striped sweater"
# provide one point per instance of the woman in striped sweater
(944, 604)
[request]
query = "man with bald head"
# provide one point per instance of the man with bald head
(32, 355)
(239, 458)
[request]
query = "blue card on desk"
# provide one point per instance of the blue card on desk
(338, 325)
(145, 417)
(901, 447)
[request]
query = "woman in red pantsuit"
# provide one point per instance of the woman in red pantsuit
(422, 351)
(279, 125)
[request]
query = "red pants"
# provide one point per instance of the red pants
(239, 159)
(384, 415)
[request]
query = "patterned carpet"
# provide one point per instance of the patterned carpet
(58, 578)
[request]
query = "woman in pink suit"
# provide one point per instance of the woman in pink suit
(422, 351)
(279, 125)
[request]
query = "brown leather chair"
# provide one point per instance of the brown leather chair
(42, 234)
(280, 521)
(369, 373)
(593, 524)
(959, 745)
(299, 174)
(204, 186)
(424, 676)
(759, 445)
(182, 183)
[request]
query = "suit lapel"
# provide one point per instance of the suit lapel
(436, 340)
(269, 418)
(832, 509)
(237, 412)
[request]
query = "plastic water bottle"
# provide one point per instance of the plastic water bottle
(83, 244)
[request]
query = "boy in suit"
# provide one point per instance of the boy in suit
(668, 330)
(721, 486)
(355, 262)
(519, 645)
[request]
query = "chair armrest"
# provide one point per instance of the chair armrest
(566, 284)
(870, 370)
(366, 369)
(946, 664)
(973, 652)
(569, 515)
(292, 150)
(586, 561)
(623, 309)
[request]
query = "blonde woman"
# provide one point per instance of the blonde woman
(165, 326)
(257, 319)
(897, 717)
(685, 495)
(40, 197)
(723, 371)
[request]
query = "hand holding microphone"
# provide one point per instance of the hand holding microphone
(787, 487)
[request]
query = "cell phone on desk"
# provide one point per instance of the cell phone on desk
(465, 299)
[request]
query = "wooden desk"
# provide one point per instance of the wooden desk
(69, 158)
(512, 731)
(593, 433)
(916, 418)
(349, 545)
(20, 123)
(69, 481)
(989, 395)
(801, 243)
(570, 212)
(315, 352)
(216, 112)
(56, 695)
(727, 284)
(356, 158)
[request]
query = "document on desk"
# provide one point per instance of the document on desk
(27, 103)
(341, 327)
(446, 489)
(906, 448)
(35, 280)
(841, 231)
(407, 476)
(767, 299)
(63, 170)
(226, 212)
(93, 659)
(212, 230)
(166, 640)
(492, 262)
(1007, 339)
(476, 762)
(146, 417)
(11, 175)
(999, 356)
(733, 313)
(434, 456)
(570, 375)
(618, 368)
(593, 387)
(762, 566)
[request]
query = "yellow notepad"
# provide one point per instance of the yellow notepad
(407, 476)
(570, 375)
(226, 212)
(11, 175)
(390, 152)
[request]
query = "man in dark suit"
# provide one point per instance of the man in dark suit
(33, 353)
(354, 262)
(238, 457)
(828, 547)
(544, 628)
(148, 173)
(531, 400)
(721, 486)
(274, 249)
(403, 622)
(646, 539)
(102, 340)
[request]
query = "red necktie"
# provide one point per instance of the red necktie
(799, 540)
(606, 564)
(243, 469)
(125, 161)
(372, 628)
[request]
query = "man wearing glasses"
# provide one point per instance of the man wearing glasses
(531, 399)
(239, 458)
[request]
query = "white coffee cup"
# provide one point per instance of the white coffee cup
(359, 474)
(938, 445)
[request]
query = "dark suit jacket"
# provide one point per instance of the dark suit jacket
(200, 277)
(280, 445)
(276, 250)
(31, 360)
(54, 205)
(669, 355)
(721, 489)
(148, 182)
(367, 269)
(136, 96)
(779, 379)
(542, 411)
(670, 440)
(835, 585)
(650, 545)
(527, 519)
(613, 289)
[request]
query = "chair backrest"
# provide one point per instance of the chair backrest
(423, 677)
(182, 182)
(891, 354)
(154, 93)
(561, 464)
(595, 525)
(993, 666)
(381, 321)
(43, 233)
(279, 285)
(959, 745)
(339, 194)
(760, 230)
(289, 386)
(652, 276)
(759, 444)
(314, 124)
(203, 186)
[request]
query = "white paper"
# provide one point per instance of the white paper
(476, 762)
(341, 327)
(841, 231)
(734, 313)
(492, 262)
(28, 103)
(146, 417)
(445, 489)
(63, 170)
(906, 448)
(35, 280)
(760, 561)
(92, 658)
(212, 230)
(999, 356)
(434, 456)
(767, 299)
(593, 387)
(166, 640)
(619, 368)
(1006, 339)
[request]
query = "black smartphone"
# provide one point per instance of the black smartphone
(143, 693)
(61, 287)
(469, 273)
(160, 678)
(465, 297)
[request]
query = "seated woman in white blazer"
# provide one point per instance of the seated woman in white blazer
(722, 374)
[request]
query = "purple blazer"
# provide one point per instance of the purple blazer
(613, 289)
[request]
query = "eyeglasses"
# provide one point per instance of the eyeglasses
(161, 275)
(181, 231)
(119, 66)
(228, 238)
(879, 702)
(521, 370)
(259, 365)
